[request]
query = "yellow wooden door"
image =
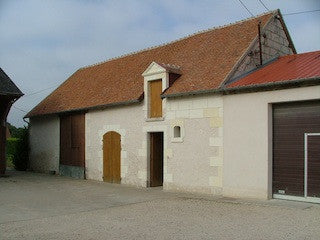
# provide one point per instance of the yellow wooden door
(155, 101)
(111, 157)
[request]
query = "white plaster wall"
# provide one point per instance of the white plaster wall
(44, 144)
(195, 163)
(248, 139)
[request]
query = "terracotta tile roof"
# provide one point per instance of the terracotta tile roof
(286, 68)
(205, 59)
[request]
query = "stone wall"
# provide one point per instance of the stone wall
(274, 44)
(195, 161)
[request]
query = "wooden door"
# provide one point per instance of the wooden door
(155, 101)
(72, 140)
(156, 159)
(111, 157)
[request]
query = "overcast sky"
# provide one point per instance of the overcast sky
(43, 42)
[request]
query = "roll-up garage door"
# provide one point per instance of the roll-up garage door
(296, 149)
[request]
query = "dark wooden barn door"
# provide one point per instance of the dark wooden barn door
(72, 145)
(156, 159)
(293, 174)
(111, 157)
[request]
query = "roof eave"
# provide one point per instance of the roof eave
(303, 82)
(86, 109)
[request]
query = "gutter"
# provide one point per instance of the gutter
(98, 107)
(302, 82)
(252, 88)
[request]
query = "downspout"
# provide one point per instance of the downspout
(260, 45)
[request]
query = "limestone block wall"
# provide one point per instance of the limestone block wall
(128, 122)
(195, 161)
(247, 135)
(274, 44)
(44, 144)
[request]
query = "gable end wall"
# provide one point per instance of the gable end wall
(274, 44)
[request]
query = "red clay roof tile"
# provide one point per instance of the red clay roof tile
(205, 59)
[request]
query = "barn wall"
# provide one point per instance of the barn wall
(195, 162)
(44, 144)
(128, 122)
(248, 139)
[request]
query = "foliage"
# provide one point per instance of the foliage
(11, 148)
(15, 132)
(11, 145)
(18, 148)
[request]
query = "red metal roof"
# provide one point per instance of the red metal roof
(286, 68)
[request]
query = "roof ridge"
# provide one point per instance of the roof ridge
(179, 39)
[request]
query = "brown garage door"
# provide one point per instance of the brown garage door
(291, 124)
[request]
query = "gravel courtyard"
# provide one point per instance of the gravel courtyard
(38, 206)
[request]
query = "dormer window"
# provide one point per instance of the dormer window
(157, 78)
(155, 101)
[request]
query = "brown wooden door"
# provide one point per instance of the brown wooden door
(290, 122)
(156, 159)
(313, 163)
(111, 157)
(155, 101)
(72, 140)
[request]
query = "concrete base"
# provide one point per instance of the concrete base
(72, 171)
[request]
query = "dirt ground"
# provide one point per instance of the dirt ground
(38, 206)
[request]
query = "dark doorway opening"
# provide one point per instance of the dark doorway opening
(156, 159)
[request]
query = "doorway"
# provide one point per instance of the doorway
(111, 157)
(156, 159)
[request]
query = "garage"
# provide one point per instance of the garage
(296, 151)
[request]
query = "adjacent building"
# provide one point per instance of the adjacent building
(9, 93)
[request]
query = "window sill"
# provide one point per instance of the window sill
(155, 119)
(177, 140)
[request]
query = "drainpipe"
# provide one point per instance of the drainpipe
(260, 45)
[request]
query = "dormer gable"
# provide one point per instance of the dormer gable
(157, 78)
(155, 68)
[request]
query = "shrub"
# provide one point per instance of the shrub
(12, 146)
(18, 150)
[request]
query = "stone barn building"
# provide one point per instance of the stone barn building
(214, 112)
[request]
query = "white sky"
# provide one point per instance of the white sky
(44, 42)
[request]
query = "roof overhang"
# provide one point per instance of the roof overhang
(86, 109)
(303, 82)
